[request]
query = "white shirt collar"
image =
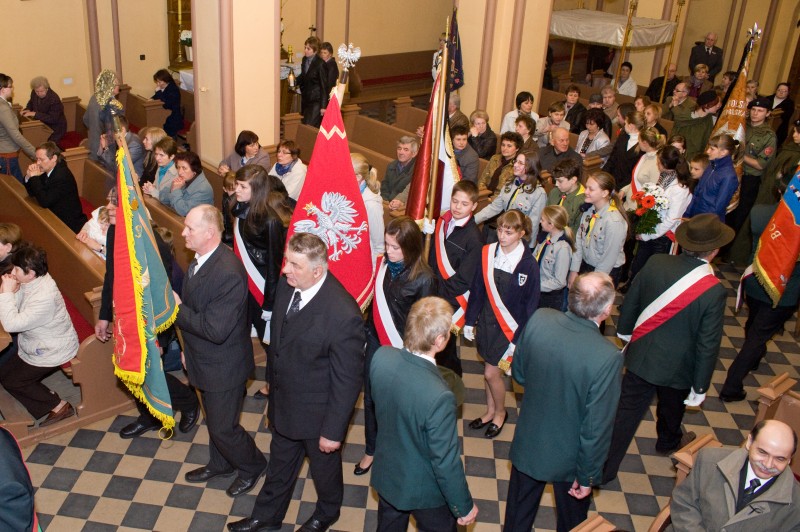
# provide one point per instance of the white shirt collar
(423, 357)
(201, 259)
(460, 223)
(508, 262)
(309, 293)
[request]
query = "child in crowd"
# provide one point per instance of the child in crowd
(679, 142)
(698, 165)
(94, 231)
(455, 256)
(554, 120)
(554, 255)
(568, 192)
(504, 294)
(10, 240)
(228, 201)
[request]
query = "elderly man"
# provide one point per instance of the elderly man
(454, 115)
(654, 89)
(217, 349)
(680, 106)
(706, 53)
(399, 172)
(418, 469)
(742, 489)
(45, 105)
(609, 102)
(315, 365)
(672, 318)
(11, 139)
(558, 150)
(571, 375)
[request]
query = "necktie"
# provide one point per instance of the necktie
(192, 268)
(749, 493)
(294, 308)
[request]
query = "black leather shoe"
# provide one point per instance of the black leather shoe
(358, 470)
(189, 419)
(204, 474)
(733, 397)
(240, 485)
(137, 428)
(252, 525)
(260, 395)
(315, 525)
(477, 423)
(493, 431)
(686, 439)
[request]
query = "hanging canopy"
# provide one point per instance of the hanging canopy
(598, 27)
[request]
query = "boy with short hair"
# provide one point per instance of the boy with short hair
(568, 191)
(455, 256)
(698, 165)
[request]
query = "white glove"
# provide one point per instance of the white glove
(695, 399)
(428, 226)
(266, 315)
(469, 333)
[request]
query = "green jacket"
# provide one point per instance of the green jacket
(572, 203)
(417, 454)
(680, 353)
(572, 376)
(696, 131)
(761, 144)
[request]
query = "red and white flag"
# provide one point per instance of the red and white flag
(330, 206)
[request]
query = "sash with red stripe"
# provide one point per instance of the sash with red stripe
(446, 269)
(255, 281)
(381, 317)
(507, 322)
(673, 300)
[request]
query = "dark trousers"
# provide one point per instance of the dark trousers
(763, 322)
(370, 419)
(448, 357)
(10, 166)
(747, 198)
(438, 519)
(524, 495)
(230, 446)
(285, 459)
(556, 299)
(645, 250)
(312, 115)
(635, 399)
(23, 382)
(183, 399)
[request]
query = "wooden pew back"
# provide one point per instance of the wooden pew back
(408, 117)
(167, 218)
(142, 112)
(376, 135)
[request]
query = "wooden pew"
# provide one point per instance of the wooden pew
(169, 219)
(408, 117)
(93, 179)
(73, 115)
(187, 105)
(142, 112)
(36, 132)
(686, 455)
(376, 135)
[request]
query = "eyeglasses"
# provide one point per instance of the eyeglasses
(283, 152)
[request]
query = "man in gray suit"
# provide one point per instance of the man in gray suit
(571, 375)
(218, 350)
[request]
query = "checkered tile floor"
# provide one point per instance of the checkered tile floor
(93, 480)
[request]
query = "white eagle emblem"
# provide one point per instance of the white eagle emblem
(334, 224)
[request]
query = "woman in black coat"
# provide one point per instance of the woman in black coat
(626, 152)
(168, 92)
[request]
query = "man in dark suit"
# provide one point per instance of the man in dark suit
(51, 182)
(315, 364)
(312, 83)
(418, 469)
(571, 375)
(706, 53)
(218, 350)
(742, 489)
(654, 90)
(16, 490)
(672, 318)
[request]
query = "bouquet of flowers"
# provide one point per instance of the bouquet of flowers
(652, 207)
(186, 38)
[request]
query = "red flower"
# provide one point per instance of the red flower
(637, 196)
(648, 202)
(640, 211)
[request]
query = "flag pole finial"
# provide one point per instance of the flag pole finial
(348, 56)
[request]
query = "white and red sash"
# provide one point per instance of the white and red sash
(255, 281)
(740, 291)
(446, 269)
(674, 299)
(507, 322)
(381, 317)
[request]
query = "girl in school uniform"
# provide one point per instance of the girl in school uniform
(504, 294)
(554, 255)
(602, 233)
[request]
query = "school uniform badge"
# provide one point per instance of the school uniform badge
(522, 278)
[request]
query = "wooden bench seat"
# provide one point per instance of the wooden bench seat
(408, 117)
(143, 112)
(376, 135)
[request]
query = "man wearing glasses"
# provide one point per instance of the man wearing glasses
(680, 106)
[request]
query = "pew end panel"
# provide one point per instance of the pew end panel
(771, 392)
(595, 523)
(36, 132)
(169, 219)
(73, 115)
(685, 456)
(143, 112)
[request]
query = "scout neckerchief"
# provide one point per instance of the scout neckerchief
(595, 217)
(564, 195)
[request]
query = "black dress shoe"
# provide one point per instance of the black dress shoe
(733, 397)
(493, 431)
(477, 423)
(137, 428)
(204, 474)
(189, 419)
(358, 470)
(240, 485)
(260, 395)
(315, 525)
(253, 525)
